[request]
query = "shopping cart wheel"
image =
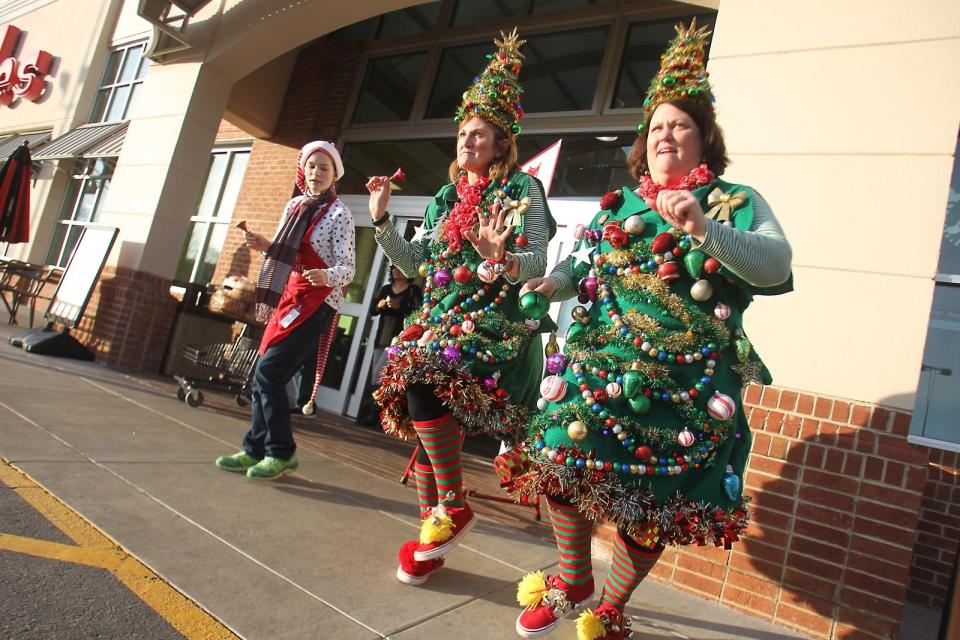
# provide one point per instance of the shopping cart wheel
(181, 394)
(194, 397)
(240, 399)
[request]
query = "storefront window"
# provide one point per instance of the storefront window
(410, 21)
(82, 205)
(546, 6)
(560, 72)
(641, 59)
(121, 84)
(469, 12)
(389, 87)
(210, 223)
(424, 162)
(934, 420)
(589, 164)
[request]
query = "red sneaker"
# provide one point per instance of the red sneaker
(606, 622)
(443, 531)
(548, 599)
(412, 572)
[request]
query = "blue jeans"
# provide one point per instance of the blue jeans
(270, 431)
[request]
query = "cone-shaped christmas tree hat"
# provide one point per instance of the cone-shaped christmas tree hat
(683, 74)
(494, 95)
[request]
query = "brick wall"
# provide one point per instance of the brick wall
(849, 520)
(938, 530)
(313, 108)
(128, 319)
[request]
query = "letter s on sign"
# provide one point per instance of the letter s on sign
(31, 76)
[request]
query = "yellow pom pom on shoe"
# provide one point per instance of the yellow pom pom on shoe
(437, 527)
(531, 588)
(589, 626)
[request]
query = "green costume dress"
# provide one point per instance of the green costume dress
(632, 429)
(469, 339)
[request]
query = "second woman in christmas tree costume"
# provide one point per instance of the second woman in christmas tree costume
(641, 423)
(468, 360)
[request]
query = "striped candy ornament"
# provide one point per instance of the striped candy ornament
(721, 406)
(553, 388)
(722, 311)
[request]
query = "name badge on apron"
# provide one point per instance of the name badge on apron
(289, 317)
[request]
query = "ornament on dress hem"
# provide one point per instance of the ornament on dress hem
(731, 483)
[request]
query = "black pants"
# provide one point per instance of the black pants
(270, 431)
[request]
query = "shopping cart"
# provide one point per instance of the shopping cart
(231, 364)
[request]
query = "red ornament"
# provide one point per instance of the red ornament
(711, 265)
(600, 395)
(522, 240)
(668, 271)
(610, 200)
(644, 453)
(663, 242)
(456, 330)
(398, 176)
(413, 332)
(617, 237)
(463, 274)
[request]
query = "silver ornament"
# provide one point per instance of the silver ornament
(701, 291)
(634, 225)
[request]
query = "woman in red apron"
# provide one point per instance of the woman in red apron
(305, 270)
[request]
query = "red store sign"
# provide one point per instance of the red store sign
(24, 77)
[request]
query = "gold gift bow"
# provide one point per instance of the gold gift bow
(515, 210)
(722, 204)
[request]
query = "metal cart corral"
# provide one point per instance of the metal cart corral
(231, 365)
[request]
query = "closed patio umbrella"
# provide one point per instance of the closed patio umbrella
(15, 196)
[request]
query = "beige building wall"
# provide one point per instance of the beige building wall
(78, 51)
(845, 117)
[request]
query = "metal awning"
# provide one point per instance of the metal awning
(9, 144)
(109, 147)
(74, 144)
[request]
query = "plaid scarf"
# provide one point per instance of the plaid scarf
(281, 257)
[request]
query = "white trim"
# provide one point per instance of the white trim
(946, 278)
(933, 444)
(17, 8)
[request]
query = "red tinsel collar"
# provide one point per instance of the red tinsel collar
(463, 216)
(697, 178)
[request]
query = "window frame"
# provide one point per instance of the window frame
(78, 181)
(111, 87)
(600, 117)
(231, 150)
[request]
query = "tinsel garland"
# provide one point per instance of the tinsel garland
(477, 408)
(603, 496)
(662, 439)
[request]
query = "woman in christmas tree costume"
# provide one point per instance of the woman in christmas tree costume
(640, 422)
(468, 360)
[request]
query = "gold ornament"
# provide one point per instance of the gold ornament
(723, 204)
(577, 430)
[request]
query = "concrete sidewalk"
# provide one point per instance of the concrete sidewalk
(311, 556)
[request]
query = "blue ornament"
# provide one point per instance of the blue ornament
(731, 484)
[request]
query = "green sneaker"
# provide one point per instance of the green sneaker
(271, 468)
(238, 462)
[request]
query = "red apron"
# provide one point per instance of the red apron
(299, 294)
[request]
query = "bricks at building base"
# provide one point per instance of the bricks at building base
(128, 319)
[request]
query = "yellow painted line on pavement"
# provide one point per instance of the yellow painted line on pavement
(96, 549)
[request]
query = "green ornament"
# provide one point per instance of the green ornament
(692, 91)
(640, 405)
(669, 80)
(693, 261)
(534, 305)
(492, 94)
(631, 383)
(515, 128)
(743, 347)
(641, 127)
